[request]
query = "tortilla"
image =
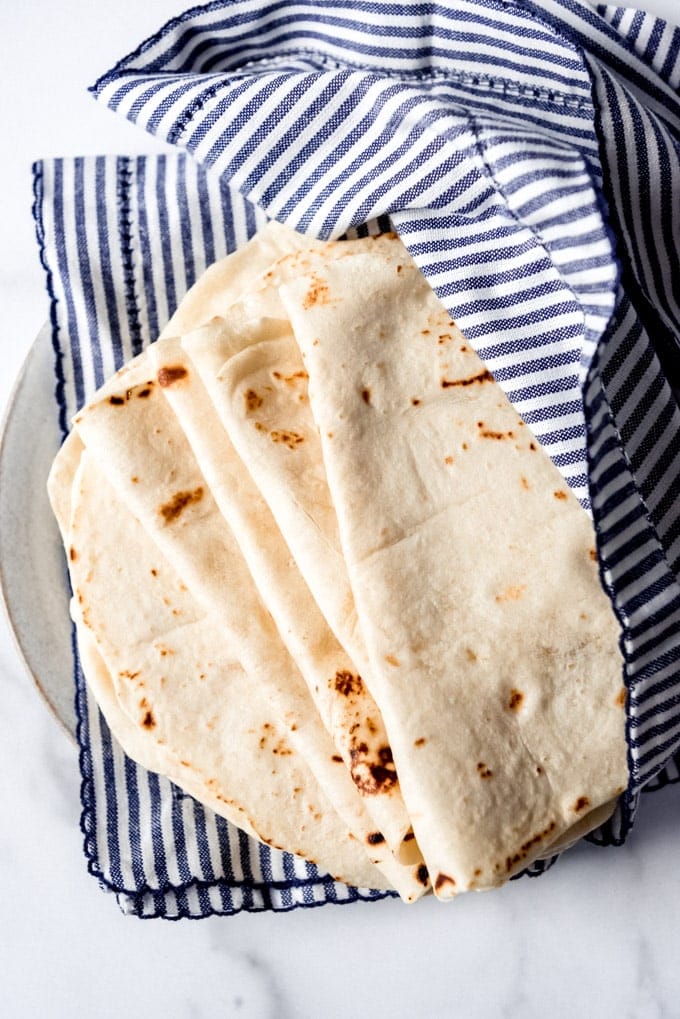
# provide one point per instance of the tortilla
(178, 701)
(345, 707)
(493, 649)
(136, 441)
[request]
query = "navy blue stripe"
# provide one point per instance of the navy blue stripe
(145, 251)
(62, 266)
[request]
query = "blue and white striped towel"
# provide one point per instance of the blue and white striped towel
(529, 157)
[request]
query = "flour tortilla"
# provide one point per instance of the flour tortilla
(135, 439)
(493, 650)
(184, 705)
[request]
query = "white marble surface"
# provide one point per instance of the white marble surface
(599, 935)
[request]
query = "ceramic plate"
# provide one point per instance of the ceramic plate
(32, 568)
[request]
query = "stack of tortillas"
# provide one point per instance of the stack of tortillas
(325, 579)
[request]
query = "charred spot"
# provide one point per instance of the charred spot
(134, 479)
(399, 268)
(347, 683)
(143, 393)
(473, 380)
(470, 654)
(408, 837)
(539, 769)
(282, 749)
(371, 726)
(148, 721)
(375, 838)
(593, 554)
(337, 758)
(559, 494)
(442, 880)
(483, 771)
(126, 674)
(515, 700)
(444, 338)
(72, 554)
(497, 436)
(154, 573)
(170, 374)
(252, 400)
(422, 873)
(289, 439)
(372, 778)
(392, 660)
(581, 804)
(532, 447)
(465, 445)
(420, 742)
(621, 697)
(290, 379)
(366, 395)
(463, 349)
(415, 401)
(116, 401)
(180, 500)
(448, 460)
(186, 764)
(477, 872)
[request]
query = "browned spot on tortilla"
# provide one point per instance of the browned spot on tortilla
(372, 777)
(593, 554)
(337, 758)
(290, 379)
(444, 338)
(483, 771)
(399, 268)
(315, 343)
(477, 872)
(347, 683)
(168, 375)
(442, 880)
(559, 494)
(524, 849)
(420, 742)
(512, 593)
(72, 554)
(415, 401)
(408, 837)
(539, 769)
(180, 500)
(471, 656)
(474, 380)
(515, 700)
(532, 447)
(318, 293)
(463, 349)
(581, 804)
(289, 439)
(366, 395)
(143, 393)
(425, 332)
(126, 674)
(465, 445)
(149, 721)
(488, 434)
(260, 427)
(116, 401)
(421, 873)
(621, 697)
(525, 484)
(375, 838)
(154, 573)
(187, 764)
(282, 749)
(329, 434)
(448, 460)
(80, 598)
(371, 726)
(392, 660)
(134, 479)
(252, 400)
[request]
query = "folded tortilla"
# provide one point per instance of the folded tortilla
(493, 650)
